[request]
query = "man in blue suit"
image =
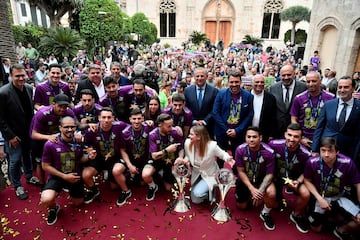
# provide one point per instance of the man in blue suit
(201, 105)
(232, 112)
(340, 119)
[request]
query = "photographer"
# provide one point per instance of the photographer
(149, 75)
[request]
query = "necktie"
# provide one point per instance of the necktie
(287, 98)
(200, 97)
(342, 116)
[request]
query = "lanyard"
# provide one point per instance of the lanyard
(106, 143)
(53, 89)
(179, 119)
(73, 145)
(287, 162)
(314, 111)
(162, 145)
(137, 140)
(325, 181)
(254, 165)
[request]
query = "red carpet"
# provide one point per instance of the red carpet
(138, 219)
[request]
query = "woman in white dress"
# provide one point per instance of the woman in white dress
(201, 152)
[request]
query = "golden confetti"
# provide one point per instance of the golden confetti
(115, 227)
(5, 229)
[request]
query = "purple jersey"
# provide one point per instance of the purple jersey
(64, 156)
(91, 117)
(294, 166)
(45, 121)
(106, 143)
(116, 104)
(182, 120)
(132, 102)
(45, 92)
(315, 61)
(258, 164)
(136, 143)
(158, 142)
(331, 182)
(308, 112)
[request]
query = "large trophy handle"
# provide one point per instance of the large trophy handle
(181, 173)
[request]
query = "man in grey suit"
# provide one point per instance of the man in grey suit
(16, 112)
(201, 106)
(284, 92)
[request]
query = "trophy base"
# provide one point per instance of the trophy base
(221, 214)
(181, 206)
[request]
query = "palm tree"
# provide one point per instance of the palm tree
(197, 37)
(62, 42)
(7, 46)
(248, 39)
(295, 14)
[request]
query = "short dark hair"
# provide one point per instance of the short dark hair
(55, 65)
(135, 111)
(329, 142)
(16, 66)
(178, 97)
(107, 109)
(346, 77)
(109, 80)
(255, 129)
(139, 81)
(163, 117)
(87, 91)
(294, 126)
(182, 84)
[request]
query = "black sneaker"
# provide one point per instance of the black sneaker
(300, 223)
(123, 197)
(340, 235)
(52, 215)
(268, 222)
(91, 195)
(151, 193)
(34, 181)
(20, 193)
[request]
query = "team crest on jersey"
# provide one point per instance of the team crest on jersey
(58, 149)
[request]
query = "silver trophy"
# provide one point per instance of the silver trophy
(181, 173)
(225, 180)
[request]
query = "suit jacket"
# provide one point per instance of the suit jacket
(12, 115)
(203, 113)
(85, 84)
(221, 112)
(208, 166)
(347, 137)
(267, 123)
(283, 113)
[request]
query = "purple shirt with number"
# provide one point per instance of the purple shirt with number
(182, 120)
(158, 142)
(344, 173)
(63, 156)
(45, 93)
(301, 108)
(296, 160)
(45, 121)
(265, 166)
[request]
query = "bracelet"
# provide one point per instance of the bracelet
(165, 152)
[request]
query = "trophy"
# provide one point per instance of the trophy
(181, 173)
(225, 180)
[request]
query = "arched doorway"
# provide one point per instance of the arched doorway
(218, 19)
(356, 51)
(327, 43)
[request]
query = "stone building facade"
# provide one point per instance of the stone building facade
(335, 32)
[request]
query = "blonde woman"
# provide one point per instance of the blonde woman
(201, 152)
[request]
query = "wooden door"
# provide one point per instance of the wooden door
(357, 63)
(224, 32)
(210, 30)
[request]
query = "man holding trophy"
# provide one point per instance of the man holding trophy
(255, 162)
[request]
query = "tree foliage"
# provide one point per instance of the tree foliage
(146, 30)
(56, 9)
(248, 39)
(62, 42)
(295, 14)
(28, 34)
(197, 37)
(100, 28)
(300, 36)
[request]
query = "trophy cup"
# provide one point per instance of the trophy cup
(181, 173)
(225, 180)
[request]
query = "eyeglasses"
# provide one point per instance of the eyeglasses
(69, 127)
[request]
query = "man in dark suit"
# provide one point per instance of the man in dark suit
(200, 99)
(93, 82)
(232, 113)
(340, 118)
(264, 108)
(16, 112)
(284, 92)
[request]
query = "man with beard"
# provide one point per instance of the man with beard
(93, 82)
(307, 106)
(106, 141)
(46, 91)
(232, 114)
(284, 92)
(88, 111)
(291, 157)
(61, 160)
(134, 148)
